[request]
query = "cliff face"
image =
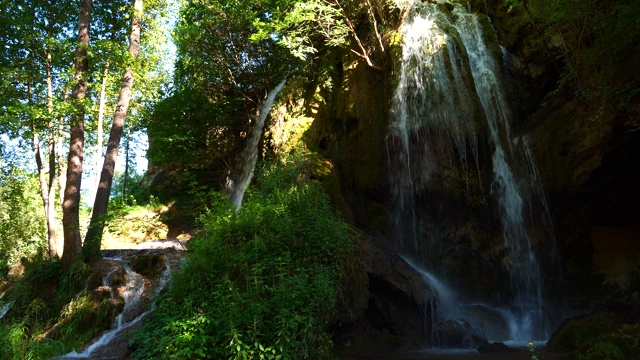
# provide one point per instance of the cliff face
(583, 133)
(586, 151)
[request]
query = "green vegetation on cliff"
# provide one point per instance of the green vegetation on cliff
(260, 283)
(50, 313)
(595, 43)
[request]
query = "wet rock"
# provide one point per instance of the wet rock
(162, 244)
(497, 348)
(450, 334)
(581, 329)
(457, 334)
(384, 313)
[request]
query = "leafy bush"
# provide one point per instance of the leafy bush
(260, 283)
(22, 230)
(600, 350)
(45, 296)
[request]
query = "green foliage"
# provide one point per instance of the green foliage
(220, 78)
(260, 283)
(574, 332)
(595, 41)
(304, 24)
(600, 350)
(81, 319)
(38, 299)
(136, 192)
(71, 282)
(191, 131)
(600, 335)
(22, 230)
(216, 56)
(309, 27)
(17, 344)
(46, 296)
(532, 350)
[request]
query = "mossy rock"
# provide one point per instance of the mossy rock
(325, 172)
(624, 343)
(83, 318)
(146, 265)
(577, 332)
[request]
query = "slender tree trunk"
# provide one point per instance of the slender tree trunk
(94, 234)
(50, 203)
(126, 166)
(71, 205)
(44, 189)
(37, 150)
(100, 135)
(62, 178)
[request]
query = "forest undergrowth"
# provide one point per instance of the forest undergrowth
(260, 283)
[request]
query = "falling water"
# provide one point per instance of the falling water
(237, 182)
(128, 317)
(4, 307)
(491, 322)
(525, 271)
(435, 106)
(426, 114)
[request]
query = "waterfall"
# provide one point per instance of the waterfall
(449, 95)
(426, 114)
(130, 316)
(4, 306)
(237, 182)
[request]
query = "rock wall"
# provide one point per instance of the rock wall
(587, 158)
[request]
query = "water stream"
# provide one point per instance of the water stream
(238, 181)
(493, 323)
(130, 315)
(450, 94)
(4, 306)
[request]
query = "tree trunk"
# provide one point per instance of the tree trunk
(94, 234)
(100, 135)
(50, 203)
(126, 167)
(71, 205)
(44, 189)
(62, 178)
(37, 151)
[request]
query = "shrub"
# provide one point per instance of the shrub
(260, 283)
(22, 230)
(600, 350)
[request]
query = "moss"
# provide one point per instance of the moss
(600, 350)
(82, 319)
(577, 332)
(623, 343)
(146, 265)
(324, 171)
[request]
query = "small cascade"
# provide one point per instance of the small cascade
(450, 321)
(450, 98)
(238, 181)
(4, 307)
(130, 315)
(447, 321)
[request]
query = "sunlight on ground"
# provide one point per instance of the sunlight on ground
(139, 225)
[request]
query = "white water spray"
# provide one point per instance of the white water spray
(237, 182)
(427, 113)
(4, 307)
(434, 108)
(132, 296)
(525, 270)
